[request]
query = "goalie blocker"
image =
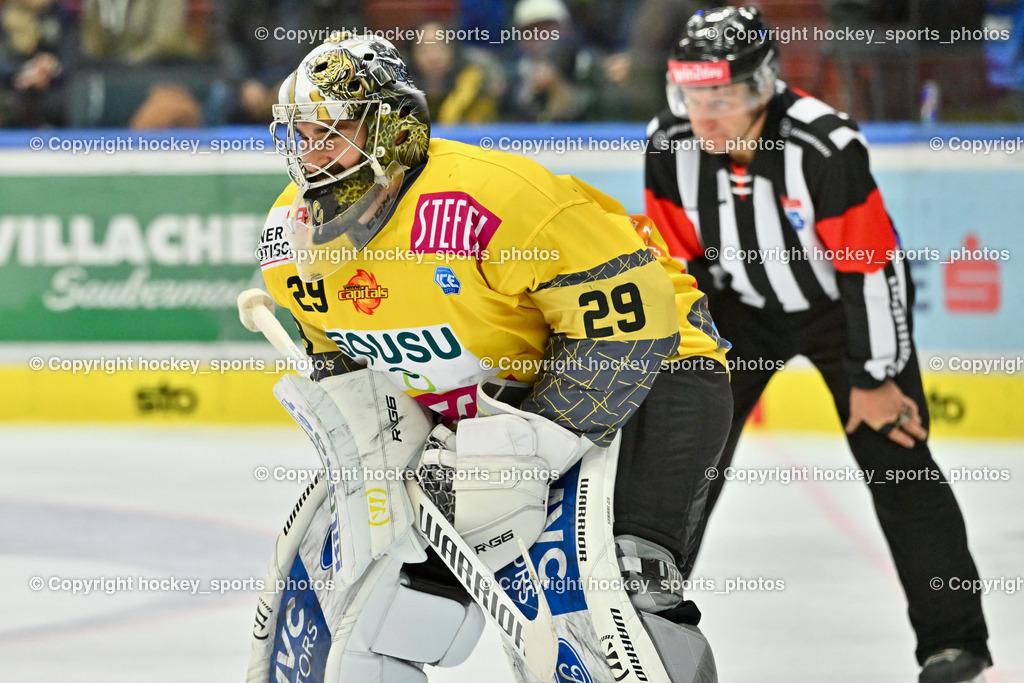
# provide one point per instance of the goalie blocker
(394, 606)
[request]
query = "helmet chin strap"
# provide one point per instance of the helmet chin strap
(378, 172)
(759, 112)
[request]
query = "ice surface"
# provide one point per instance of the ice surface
(156, 503)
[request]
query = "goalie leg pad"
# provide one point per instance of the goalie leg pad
(291, 639)
(602, 635)
(398, 628)
(685, 652)
(399, 621)
(383, 627)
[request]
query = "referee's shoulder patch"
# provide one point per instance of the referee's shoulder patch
(807, 110)
(819, 127)
(822, 121)
(668, 125)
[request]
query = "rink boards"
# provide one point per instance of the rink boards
(961, 405)
(150, 247)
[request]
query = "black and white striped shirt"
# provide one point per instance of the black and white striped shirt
(803, 226)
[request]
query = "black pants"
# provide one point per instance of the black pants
(921, 520)
(675, 435)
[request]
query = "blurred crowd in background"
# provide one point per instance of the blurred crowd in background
(147, 64)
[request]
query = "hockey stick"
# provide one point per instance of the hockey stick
(534, 640)
(256, 311)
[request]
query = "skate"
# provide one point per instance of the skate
(953, 666)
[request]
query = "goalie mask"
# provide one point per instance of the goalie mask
(350, 123)
(719, 47)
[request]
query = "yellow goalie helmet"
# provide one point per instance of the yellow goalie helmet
(339, 208)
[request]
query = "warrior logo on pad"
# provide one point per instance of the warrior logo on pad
(452, 223)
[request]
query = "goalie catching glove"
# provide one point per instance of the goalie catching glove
(491, 478)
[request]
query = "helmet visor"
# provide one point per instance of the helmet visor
(326, 232)
(707, 89)
(712, 102)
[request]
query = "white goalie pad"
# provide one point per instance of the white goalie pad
(339, 607)
(601, 635)
(366, 432)
(378, 629)
(290, 635)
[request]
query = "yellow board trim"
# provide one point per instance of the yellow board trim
(140, 396)
(962, 405)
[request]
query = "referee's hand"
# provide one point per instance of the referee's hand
(887, 410)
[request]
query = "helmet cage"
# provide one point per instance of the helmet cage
(293, 145)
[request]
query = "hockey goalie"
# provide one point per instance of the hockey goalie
(513, 395)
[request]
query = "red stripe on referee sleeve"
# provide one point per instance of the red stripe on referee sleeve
(861, 238)
(675, 227)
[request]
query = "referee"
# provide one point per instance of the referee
(767, 194)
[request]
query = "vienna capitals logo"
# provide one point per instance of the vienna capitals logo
(364, 292)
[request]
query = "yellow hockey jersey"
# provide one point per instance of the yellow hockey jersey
(491, 266)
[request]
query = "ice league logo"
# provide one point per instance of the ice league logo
(446, 280)
(792, 209)
(363, 291)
